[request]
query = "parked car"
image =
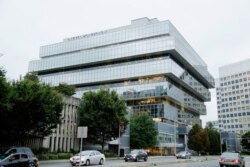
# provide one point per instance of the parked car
(87, 158)
(136, 155)
(18, 160)
(26, 150)
(16, 151)
(184, 155)
(231, 159)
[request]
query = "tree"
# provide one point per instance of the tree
(32, 76)
(142, 131)
(214, 139)
(5, 90)
(5, 105)
(245, 142)
(102, 112)
(198, 139)
(35, 110)
(66, 89)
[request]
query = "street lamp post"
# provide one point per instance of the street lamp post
(174, 139)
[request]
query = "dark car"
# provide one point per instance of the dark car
(136, 155)
(32, 160)
(183, 155)
(231, 159)
(18, 160)
(25, 150)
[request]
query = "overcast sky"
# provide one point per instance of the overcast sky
(217, 29)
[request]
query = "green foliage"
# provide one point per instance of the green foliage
(142, 131)
(5, 91)
(35, 110)
(110, 153)
(214, 139)
(54, 156)
(198, 139)
(41, 150)
(102, 112)
(32, 77)
(245, 142)
(65, 89)
(5, 105)
(210, 125)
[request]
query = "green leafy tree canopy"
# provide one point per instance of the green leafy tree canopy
(5, 90)
(102, 112)
(35, 111)
(143, 133)
(245, 142)
(66, 89)
(214, 140)
(198, 139)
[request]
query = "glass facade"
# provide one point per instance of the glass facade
(148, 63)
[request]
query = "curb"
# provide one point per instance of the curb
(194, 159)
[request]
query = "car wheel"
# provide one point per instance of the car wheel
(221, 165)
(146, 158)
(126, 160)
(136, 159)
(31, 165)
(101, 162)
(87, 162)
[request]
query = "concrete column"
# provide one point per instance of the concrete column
(185, 141)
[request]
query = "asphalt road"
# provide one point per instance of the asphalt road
(209, 161)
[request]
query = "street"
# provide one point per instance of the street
(208, 161)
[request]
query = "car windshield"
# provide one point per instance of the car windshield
(135, 152)
(231, 155)
(84, 153)
(182, 152)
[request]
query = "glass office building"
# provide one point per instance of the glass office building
(148, 63)
(233, 97)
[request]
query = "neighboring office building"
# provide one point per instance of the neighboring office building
(148, 63)
(64, 137)
(230, 141)
(233, 96)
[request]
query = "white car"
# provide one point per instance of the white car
(231, 159)
(184, 155)
(88, 157)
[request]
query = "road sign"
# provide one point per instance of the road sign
(82, 132)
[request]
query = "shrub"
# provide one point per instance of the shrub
(54, 156)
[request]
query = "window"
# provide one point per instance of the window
(15, 157)
(24, 156)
